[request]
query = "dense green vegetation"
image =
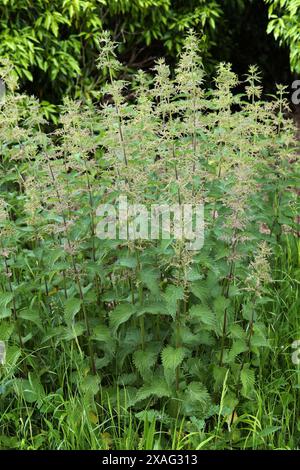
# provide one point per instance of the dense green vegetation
(145, 344)
(284, 25)
(54, 44)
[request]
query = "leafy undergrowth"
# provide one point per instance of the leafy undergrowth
(145, 343)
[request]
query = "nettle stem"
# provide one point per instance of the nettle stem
(194, 126)
(63, 271)
(178, 342)
(77, 278)
(226, 288)
(120, 126)
(251, 324)
(15, 314)
(214, 214)
(90, 346)
(93, 231)
(141, 301)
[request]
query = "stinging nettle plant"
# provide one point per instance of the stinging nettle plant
(147, 320)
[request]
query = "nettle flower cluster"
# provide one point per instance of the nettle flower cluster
(168, 325)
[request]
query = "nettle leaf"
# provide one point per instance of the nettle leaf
(158, 387)
(258, 339)
(248, 380)
(213, 286)
(204, 314)
(51, 256)
(31, 390)
(144, 361)
(154, 308)
(249, 312)
(230, 402)
(31, 315)
(172, 295)
(5, 299)
(188, 338)
(237, 332)
(198, 392)
(104, 360)
(238, 346)
(121, 314)
(13, 353)
(269, 430)
(171, 359)
(72, 307)
(221, 304)
(200, 290)
(150, 277)
(53, 332)
(194, 274)
(130, 343)
(205, 337)
(106, 342)
(73, 331)
(90, 385)
(102, 334)
(219, 374)
(128, 262)
(6, 330)
(196, 400)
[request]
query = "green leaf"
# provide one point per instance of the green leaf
(237, 332)
(204, 314)
(5, 299)
(150, 277)
(6, 330)
(172, 357)
(90, 385)
(198, 392)
(172, 295)
(32, 316)
(200, 290)
(73, 331)
(121, 314)
(144, 361)
(248, 380)
(158, 387)
(72, 307)
(102, 334)
(268, 431)
(239, 346)
(153, 309)
(128, 262)
(259, 340)
(32, 390)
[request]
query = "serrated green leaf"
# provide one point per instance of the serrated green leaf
(172, 357)
(158, 387)
(204, 314)
(72, 307)
(121, 314)
(248, 380)
(171, 296)
(144, 361)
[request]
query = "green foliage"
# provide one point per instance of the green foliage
(284, 17)
(54, 44)
(148, 329)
